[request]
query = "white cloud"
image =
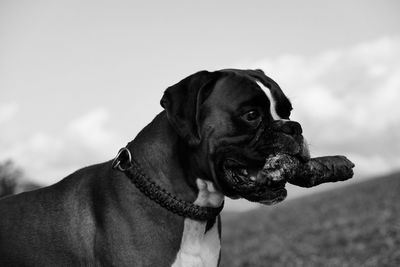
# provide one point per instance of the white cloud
(372, 165)
(90, 129)
(347, 100)
(46, 158)
(7, 111)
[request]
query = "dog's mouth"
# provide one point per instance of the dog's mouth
(245, 178)
(240, 172)
(251, 183)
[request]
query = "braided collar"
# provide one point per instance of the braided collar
(126, 164)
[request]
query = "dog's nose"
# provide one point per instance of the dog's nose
(290, 127)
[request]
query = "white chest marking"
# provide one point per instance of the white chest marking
(272, 101)
(200, 248)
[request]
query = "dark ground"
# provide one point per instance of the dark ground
(358, 225)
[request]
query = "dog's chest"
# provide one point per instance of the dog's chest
(199, 248)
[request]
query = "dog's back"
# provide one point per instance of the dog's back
(36, 227)
(93, 217)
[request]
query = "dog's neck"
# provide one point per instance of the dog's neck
(168, 168)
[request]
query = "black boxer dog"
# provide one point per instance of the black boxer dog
(157, 203)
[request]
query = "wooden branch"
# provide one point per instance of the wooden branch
(312, 173)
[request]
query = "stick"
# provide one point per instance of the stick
(312, 173)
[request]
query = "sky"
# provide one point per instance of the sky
(79, 79)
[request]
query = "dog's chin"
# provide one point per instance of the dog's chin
(268, 197)
(248, 183)
(276, 199)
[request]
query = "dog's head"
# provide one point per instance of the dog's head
(231, 121)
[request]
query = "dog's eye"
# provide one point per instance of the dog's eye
(251, 115)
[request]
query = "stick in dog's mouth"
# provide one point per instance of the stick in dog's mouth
(267, 185)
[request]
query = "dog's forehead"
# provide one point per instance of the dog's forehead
(236, 88)
(239, 87)
(280, 106)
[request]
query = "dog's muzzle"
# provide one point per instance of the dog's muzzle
(244, 176)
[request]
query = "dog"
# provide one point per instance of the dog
(158, 202)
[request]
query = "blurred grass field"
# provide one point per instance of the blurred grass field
(357, 225)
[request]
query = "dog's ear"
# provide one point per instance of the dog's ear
(182, 102)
